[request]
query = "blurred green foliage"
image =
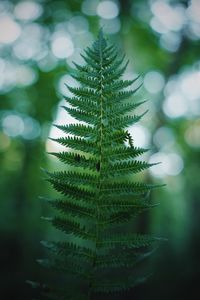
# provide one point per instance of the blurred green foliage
(38, 42)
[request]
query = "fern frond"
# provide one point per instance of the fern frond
(81, 115)
(135, 241)
(78, 130)
(123, 259)
(72, 191)
(87, 71)
(120, 285)
(74, 267)
(122, 95)
(117, 74)
(125, 168)
(69, 208)
(86, 80)
(113, 67)
(125, 188)
(77, 160)
(124, 108)
(68, 225)
(77, 144)
(124, 153)
(75, 178)
(91, 62)
(71, 249)
(98, 201)
(85, 104)
(126, 121)
(118, 85)
(83, 92)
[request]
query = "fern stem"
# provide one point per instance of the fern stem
(100, 168)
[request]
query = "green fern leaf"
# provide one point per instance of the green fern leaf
(78, 130)
(97, 199)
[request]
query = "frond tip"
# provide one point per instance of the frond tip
(98, 200)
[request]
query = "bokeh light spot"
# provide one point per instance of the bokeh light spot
(190, 84)
(175, 165)
(13, 125)
(154, 82)
(170, 164)
(47, 63)
(170, 41)
(140, 134)
(110, 26)
(89, 7)
(25, 76)
(31, 43)
(163, 137)
(78, 25)
(62, 46)
(157, 26)
(28, 10)
(31, 129)
(9, 30)
(193, 10)
(107, 10)
(175, 106)
(171, 17)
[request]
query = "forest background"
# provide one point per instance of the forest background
(39, 40)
